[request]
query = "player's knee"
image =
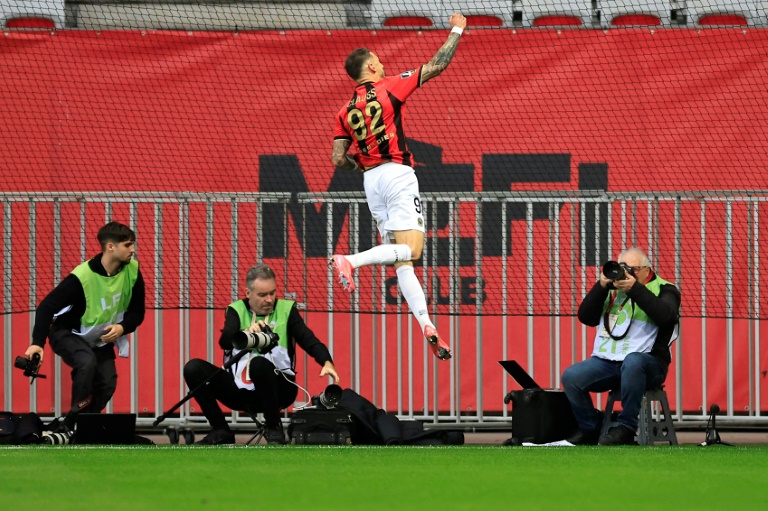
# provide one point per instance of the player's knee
(416, 252)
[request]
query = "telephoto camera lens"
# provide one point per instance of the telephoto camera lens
(261, 341)
(330, 396)
(51, 438)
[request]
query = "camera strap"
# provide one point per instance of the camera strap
(607, 321)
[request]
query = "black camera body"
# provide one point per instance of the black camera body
(329, 398)
(263, 341)
(29, 366)
(615, 271)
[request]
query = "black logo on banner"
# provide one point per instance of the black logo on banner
(282, 173)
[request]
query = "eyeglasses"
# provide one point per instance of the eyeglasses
(636, 269)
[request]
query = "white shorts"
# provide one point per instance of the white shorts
(392, 191)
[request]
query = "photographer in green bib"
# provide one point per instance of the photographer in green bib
(90, 313)
(636, 313)
(264, 379)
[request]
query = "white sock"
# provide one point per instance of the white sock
(381, 254)
(411, 289)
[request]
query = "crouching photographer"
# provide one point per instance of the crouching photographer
(263, 379)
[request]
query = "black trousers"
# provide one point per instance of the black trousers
(272, 392)
(94, 375)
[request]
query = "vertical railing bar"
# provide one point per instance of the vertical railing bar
(184, 329)
(354, 318)
(555, 225)
(752, 264)
(32, 286)
(305, 286)
(454, 375)
(210, 281)
(331, 279)
(573, 213)
(504, 301)
(234, 260)
(756, 302)
(108, 217)
(651, 238)
(258, 223)
(56, 279)
(158, 305)
(133, 362)
(678, 281)
(479, 308)
(8, 306)
(729, 302)
(583, 266)
(598, 266)
(529, 283)
(703, 278)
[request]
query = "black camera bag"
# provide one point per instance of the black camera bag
(320, 426)
(540, 416)
(20, 428)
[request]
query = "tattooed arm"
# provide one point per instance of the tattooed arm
(340, 158)
(446, 52)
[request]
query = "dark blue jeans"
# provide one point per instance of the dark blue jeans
(637, 373)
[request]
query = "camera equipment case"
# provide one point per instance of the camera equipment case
(540, 416)
(320, 426)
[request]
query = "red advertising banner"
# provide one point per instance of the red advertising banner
(128, 110)
(631, 110)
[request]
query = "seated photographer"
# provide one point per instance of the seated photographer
(263, 380)
(89, 313)
(636, 313)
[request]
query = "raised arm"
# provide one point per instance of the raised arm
(446, 52)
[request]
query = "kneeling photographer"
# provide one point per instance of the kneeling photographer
(263, 380)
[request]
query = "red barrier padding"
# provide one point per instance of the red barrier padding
(408, 21)
(30, 23)
(635, 20)
(723, 19)
(484, 21)
(556, 21)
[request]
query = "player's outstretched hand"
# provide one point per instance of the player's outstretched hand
(457, 20)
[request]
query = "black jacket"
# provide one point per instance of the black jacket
(70, 292)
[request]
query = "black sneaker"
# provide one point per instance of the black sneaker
(618, 435)
(584, 437)
(218, 437)
(275, 434)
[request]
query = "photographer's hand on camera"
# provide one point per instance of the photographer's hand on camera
(257, 327)
(35, 349)
(626, 283)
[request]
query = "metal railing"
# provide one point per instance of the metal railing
(536, 254)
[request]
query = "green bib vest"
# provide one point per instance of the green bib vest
(633, 329)
(277, 321)
(106, 300)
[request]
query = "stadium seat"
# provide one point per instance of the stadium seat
(655, 423)
(32, 13)
(637, 13)
(482, 13)
(407, 14)
(554, 13)
(703, 13)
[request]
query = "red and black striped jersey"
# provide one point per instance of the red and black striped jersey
(373, 120)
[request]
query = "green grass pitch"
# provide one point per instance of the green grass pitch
(386, 478)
